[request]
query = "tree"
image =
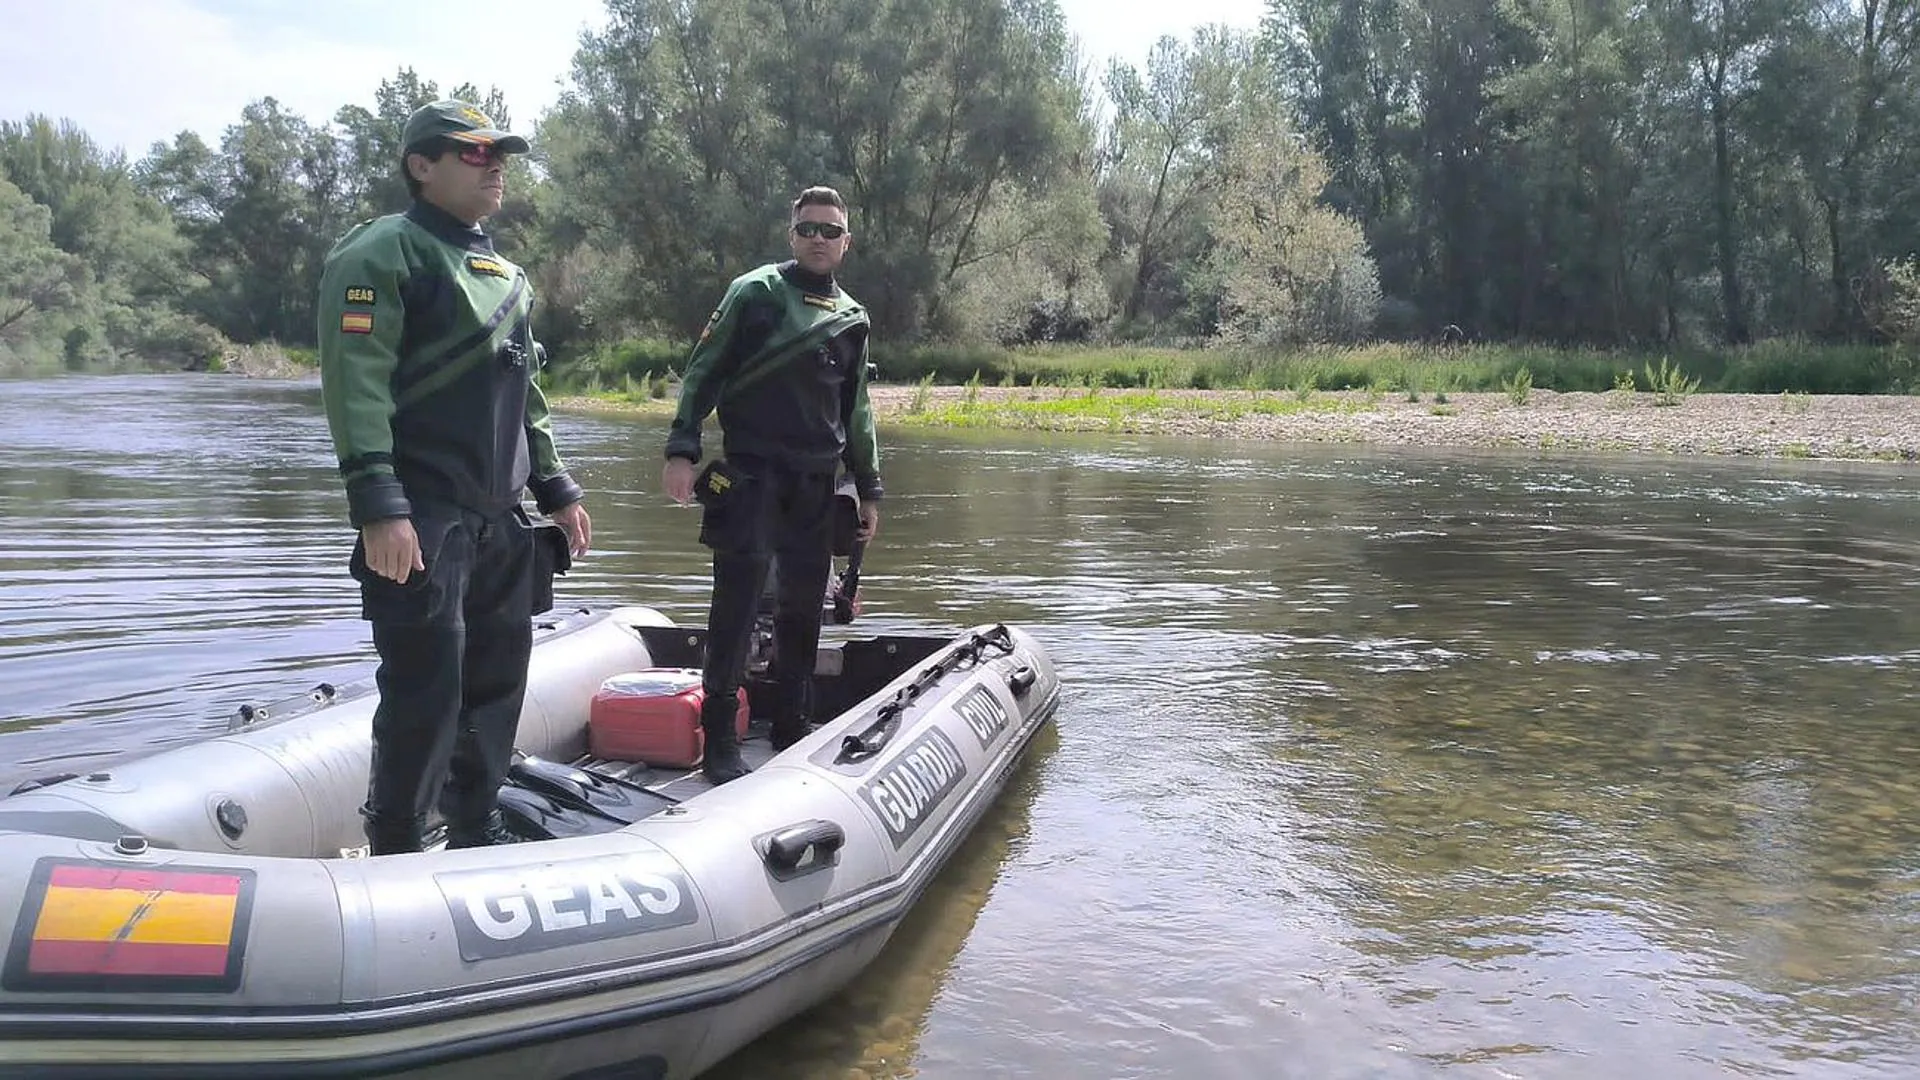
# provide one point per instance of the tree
(692, 125)
(1164, 156)
(1291, 270)
(37, 279)
(132, 254)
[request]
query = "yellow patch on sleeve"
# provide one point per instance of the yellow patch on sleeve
(480, 264)
(356, 322)
(826, 302)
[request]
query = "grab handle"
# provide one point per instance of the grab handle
(786, 848)
(1021, 680)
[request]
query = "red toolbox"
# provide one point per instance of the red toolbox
(653, 717)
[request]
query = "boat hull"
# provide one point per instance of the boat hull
(146, 939)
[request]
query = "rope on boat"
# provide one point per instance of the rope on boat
(875, 736)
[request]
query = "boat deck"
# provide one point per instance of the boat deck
(680, 784)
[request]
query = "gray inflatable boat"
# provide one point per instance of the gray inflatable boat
(202, 913)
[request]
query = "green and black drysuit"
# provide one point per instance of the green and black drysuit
(784, 359)
(426, 365)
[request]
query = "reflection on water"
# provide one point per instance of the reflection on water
(1373, 764)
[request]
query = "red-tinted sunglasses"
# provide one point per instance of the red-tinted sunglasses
(478, 156)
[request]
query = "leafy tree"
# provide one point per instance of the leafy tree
(38, 281)
(1291, 270)
(1165, 160)
(135, 278)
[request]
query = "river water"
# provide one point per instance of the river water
(1371, 764)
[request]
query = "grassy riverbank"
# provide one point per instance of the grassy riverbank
(1770, 367)
(1790, 425)
(1776, 399)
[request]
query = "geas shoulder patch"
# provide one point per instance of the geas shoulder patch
(480, 264)
(360, 294)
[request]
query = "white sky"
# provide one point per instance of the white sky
(132, 72)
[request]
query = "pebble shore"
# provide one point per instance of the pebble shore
(1882, 428)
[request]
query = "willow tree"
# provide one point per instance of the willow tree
(1290, 268)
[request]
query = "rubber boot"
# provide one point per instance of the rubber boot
(793, 719)
(394, 835)
(721, 761)
(488, 831)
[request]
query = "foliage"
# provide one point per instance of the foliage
(1567, 186)
(39, 283)
(1413, 368)
(1519, 386)
(1669, 384)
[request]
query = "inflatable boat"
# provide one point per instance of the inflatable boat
(208, 912)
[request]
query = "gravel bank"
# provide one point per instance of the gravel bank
(1770, 425)
(1874, 428)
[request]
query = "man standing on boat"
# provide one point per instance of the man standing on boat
(784, 360)
(426, 364)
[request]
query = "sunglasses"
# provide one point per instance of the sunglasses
(478, 156)
(824, 229)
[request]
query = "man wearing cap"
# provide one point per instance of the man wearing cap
(426, 368)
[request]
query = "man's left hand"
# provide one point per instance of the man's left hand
(869, 521)
(579, 528)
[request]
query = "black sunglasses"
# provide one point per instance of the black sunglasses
(826, 229)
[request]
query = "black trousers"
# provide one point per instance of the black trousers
(779, 512)
(454, 642)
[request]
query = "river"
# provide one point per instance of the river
(1372, 763)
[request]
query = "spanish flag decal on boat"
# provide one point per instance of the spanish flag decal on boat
(91, 926)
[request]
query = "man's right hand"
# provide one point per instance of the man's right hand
(392, 547)
(677, 479)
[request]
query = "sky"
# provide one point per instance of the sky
(133, 72)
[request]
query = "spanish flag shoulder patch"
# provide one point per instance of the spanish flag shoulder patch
(94, 926)
(356, 322)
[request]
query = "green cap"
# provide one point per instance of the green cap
(461, 122)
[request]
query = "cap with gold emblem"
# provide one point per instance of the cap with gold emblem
(461, 122)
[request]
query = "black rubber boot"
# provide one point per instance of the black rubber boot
(722, 761)
(787, 732)
(792, 721)
(394, 835)
(490, 830)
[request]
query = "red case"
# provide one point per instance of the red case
(653, 717)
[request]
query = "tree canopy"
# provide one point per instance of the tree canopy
(1565, 171)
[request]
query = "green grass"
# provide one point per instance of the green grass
(1766, 368)
(647, 369)
(1094, 408)
(1413, 370)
